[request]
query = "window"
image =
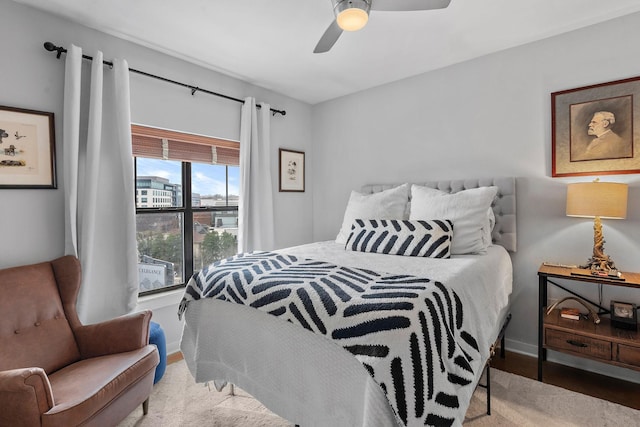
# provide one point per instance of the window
(191, 218)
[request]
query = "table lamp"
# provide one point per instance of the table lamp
(597, 200)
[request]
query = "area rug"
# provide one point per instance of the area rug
(177, 401)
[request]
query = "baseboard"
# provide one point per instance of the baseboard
(173, 347)
(521, 347)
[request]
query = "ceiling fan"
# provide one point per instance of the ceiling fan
(352, 15)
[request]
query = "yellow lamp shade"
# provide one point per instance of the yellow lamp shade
(352, 19)
(597, 199)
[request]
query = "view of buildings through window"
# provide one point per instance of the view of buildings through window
(172, 198)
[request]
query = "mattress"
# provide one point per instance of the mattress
(306, 378)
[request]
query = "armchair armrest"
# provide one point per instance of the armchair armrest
(124, 333)
(25, 394)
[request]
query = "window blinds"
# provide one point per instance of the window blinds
(171, 145)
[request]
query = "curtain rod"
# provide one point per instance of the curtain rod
(60, 50)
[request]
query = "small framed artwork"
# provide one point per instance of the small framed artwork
(624, 315)
(596, 129)
(291, 170)
(27, 149)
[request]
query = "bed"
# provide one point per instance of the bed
(313, 378)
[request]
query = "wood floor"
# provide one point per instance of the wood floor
(600, 386)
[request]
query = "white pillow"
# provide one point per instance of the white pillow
(468, 210)
(487, 228)
(387, 204)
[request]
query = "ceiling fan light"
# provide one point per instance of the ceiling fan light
(351, 15)
(352, 19)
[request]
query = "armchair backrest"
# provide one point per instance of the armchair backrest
(37, 306)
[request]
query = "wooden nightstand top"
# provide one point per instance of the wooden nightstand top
(631, 280)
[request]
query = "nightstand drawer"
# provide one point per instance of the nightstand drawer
(574, 343)
(629, 355)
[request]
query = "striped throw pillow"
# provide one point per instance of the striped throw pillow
(423, 238)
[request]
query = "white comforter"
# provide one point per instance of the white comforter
(309, 380)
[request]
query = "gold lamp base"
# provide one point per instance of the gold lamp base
(598, 200)
(599, 261)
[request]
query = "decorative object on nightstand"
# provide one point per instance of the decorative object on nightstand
(592, 313)
(624, 315)
(597, 200)
(570, 313)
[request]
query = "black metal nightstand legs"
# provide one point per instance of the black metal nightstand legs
(542, 302)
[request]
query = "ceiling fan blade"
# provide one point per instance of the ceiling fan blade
(400, 5)
(329, 38)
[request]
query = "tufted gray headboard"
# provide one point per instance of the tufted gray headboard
(504, 206)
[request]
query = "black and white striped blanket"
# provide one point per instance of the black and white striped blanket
(408, 332)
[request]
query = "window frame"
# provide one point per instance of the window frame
(187, 209)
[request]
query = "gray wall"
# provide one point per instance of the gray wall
(32, 221)
(487, 117)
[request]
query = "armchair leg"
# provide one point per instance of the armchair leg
(145, 407)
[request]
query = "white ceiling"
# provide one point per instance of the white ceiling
(270, 42)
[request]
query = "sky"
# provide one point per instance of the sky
(206, 179)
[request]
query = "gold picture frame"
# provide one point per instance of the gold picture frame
(595, 129)
(291, 170)
(27, 149)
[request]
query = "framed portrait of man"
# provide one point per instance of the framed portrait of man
(595, 129)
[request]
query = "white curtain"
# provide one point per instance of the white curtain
(99, 186)
(255, 210)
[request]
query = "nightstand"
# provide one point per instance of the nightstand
(583, 338)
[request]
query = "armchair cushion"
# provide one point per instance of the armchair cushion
(81, 389)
